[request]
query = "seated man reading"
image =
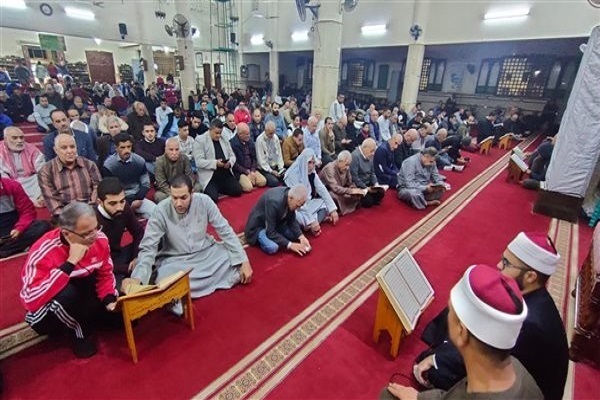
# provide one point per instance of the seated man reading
(336, 177)
(419, 183)
(180, 223)
(115, 217)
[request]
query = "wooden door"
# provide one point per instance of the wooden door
(101, 66)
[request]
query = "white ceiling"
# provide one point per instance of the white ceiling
(444, 21)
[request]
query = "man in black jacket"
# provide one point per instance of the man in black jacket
(246, 166)
(542, 344)
(272, 222)
(115, 217)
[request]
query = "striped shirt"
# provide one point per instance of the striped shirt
(61, 185)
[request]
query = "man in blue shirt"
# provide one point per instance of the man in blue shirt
(130, 169)
(85, 145)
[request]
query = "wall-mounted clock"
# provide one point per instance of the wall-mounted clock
(46, 9)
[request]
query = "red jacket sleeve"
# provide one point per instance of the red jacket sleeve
(42, 278)
(23, 204)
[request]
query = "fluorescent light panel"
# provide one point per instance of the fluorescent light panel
(14, 4)
(78, 13)
(257, 39)
(510, 13)
(300, 36)
(368, 30)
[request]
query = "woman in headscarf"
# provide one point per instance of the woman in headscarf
(319, 205)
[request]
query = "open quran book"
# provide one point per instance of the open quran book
(406, 288)
(135, 290)
(519, 162)
(519, 153)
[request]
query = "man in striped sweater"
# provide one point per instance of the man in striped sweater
(68, 281)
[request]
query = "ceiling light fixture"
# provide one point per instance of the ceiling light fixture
(166, 49)
(300, 36)
(98, 41)
(369, 30)
(14, 4)
(504, 14)
(78, 13)
(257, 39)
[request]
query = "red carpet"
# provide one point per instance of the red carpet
(349, 365)
(229, 324)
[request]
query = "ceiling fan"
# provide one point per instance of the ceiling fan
(181, 27)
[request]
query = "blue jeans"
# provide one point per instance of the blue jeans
(269, 246)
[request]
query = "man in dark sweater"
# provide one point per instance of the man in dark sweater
(150, 147)
(115, 216)
(137, 119)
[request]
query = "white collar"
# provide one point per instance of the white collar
(102, 211)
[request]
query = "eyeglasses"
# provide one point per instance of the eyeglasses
(90, 235)
(506, 264)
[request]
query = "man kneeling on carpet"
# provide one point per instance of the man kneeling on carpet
(542, 345)
(272, 223)
(485, 315)
(68, 281)
(180, 225)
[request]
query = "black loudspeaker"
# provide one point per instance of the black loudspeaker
(232, 37)
(122, 29)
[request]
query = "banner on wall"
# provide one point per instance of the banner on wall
(456, 72)
(52, 42)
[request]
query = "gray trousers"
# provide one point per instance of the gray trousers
(418, 199)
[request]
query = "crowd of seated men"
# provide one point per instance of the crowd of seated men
(98, 167)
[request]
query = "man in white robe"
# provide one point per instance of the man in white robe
(180, 226)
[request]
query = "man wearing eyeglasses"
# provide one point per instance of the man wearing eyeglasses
(68, 281)
(530, 259)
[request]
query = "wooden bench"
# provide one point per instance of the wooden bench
(140, 304)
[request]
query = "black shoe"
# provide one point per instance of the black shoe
(84, 348)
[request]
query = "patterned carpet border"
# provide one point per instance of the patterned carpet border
(265, 367)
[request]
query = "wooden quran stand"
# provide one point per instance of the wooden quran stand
(505, 141)
(486, 145)
(386, 319)
(515, 174)
(142, 303)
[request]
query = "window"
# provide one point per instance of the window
(382, 79)
(253, 72)
(561, 77)
(425, 74)
(36, 52)
(432, 74)
(488, 76)
(356, 73)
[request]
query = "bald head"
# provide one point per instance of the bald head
(65, 148)
(442, 134)
(368, 148)
(395, 141)
(270, 128)
(411, 135)
(243, 131)
(312, 123)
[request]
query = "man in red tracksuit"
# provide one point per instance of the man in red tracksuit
(68, 281)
